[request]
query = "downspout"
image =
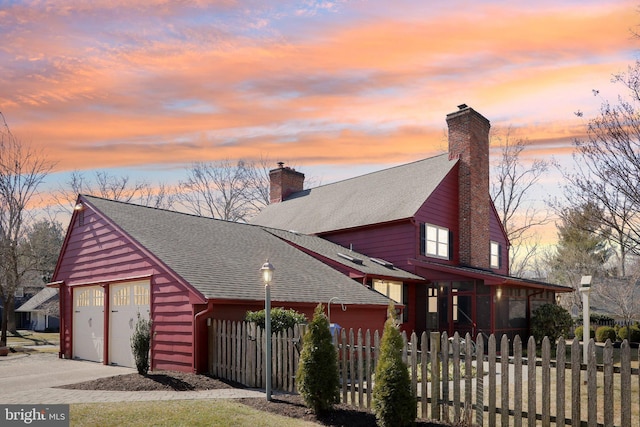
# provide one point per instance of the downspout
(196, 335)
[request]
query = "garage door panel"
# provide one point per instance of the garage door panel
(128, 302)
(88, 323)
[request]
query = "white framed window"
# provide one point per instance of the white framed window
(434, 241)
(496, 255)
(393, 290)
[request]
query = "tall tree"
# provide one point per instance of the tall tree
(233, 191)
(607, 167)
(513, 182)
(43, 244)
(580, 251)
(22, 170)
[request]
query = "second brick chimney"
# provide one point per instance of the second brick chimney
(284, 181)
(469, 142)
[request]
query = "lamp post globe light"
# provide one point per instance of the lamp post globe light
(267, 276)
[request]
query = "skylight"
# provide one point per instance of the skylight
(350, 258)
(382, 262)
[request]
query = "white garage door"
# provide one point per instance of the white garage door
(88, 323)
(128, 301)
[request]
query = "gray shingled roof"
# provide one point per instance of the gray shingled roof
(222, 259)
(387, 195)
(39, 301)
(331, 250)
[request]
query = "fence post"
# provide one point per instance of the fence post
(445, 346)
(360, 376)
(492, 380)
(468, 365)
(517, 386)
(504, 377)
(424, 354)
(546, 382)
(456, 378)
(592, 385)
(367, 343)
(531, 380)
(625, 383)
(352, 366)
(435, 376)
(345, 376)
(480, 380)
(561, 356)
(576, 369)
(414, 364)
(607, 361)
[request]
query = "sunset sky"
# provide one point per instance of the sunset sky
(336, 88)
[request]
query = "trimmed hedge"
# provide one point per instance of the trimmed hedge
(632, 334)
(579, 332)
(604, 333)
(281, 319)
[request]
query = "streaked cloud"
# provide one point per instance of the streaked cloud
(122, 84)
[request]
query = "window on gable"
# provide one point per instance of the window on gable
(434, 241)
(496, 255)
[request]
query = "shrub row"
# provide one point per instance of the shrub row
(617, 333)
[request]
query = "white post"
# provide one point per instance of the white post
(585, 288)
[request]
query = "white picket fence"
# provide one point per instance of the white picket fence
(505, 387)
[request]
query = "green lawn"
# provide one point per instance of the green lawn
(176, 413)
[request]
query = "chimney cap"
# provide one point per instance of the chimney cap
(462, 106)
(281, 165)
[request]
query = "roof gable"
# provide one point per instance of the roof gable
(221, 259)
(387, 195)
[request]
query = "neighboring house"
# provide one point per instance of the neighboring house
(120, 261)
(41, 311)
(432, 217)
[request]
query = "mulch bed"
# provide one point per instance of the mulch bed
(288, 405)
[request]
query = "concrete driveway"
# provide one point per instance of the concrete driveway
(31, 378)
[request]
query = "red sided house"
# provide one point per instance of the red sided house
(120, 261)
(433, 218)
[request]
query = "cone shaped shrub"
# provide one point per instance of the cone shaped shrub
(141, 343)
(393, 401)
(317, 378)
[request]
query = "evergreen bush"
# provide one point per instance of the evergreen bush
(603, 333)
(632, 334)
(141, 343)
(317, 379)
(393, 401)
(281, 319)
(550, 320)
(579, 331)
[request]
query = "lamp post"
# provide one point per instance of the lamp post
(267, 276)
(585, 288)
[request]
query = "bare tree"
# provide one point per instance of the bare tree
(22, 170)
(512, 185)
(219, 190)
(108, 186)
(607, 168)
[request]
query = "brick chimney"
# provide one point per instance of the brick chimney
(284, 181)
(469, 142)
